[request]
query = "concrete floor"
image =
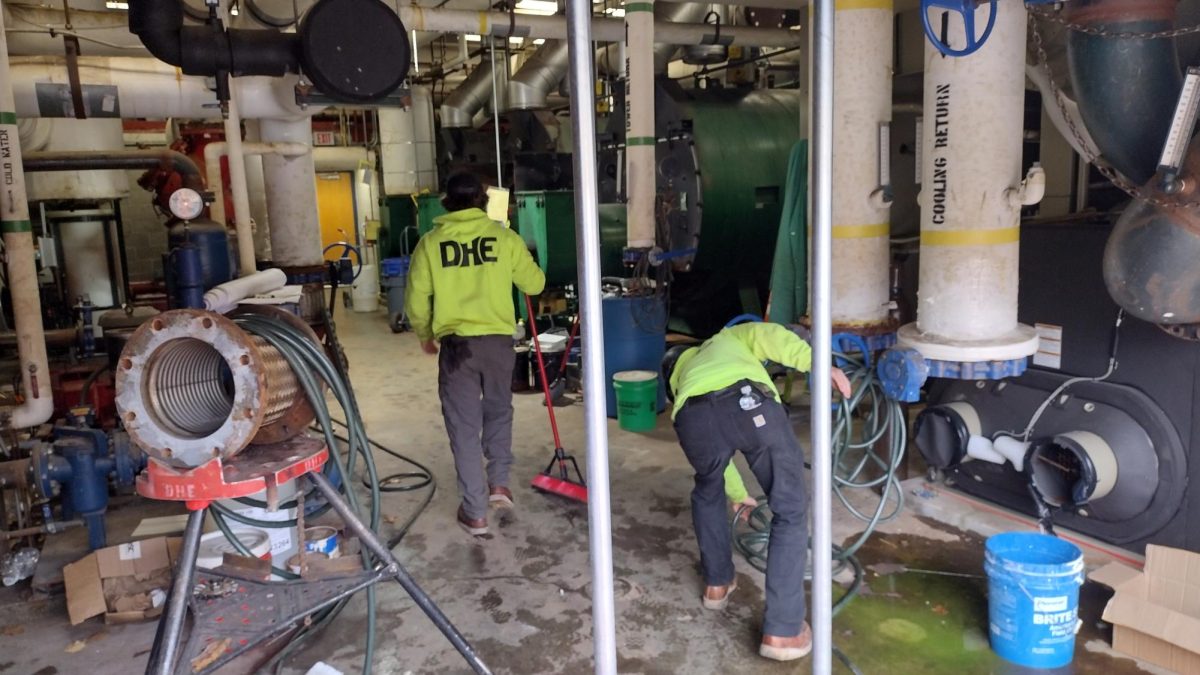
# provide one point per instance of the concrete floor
(522, 594)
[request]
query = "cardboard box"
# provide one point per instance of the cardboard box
(118, 581)
(1156, 613)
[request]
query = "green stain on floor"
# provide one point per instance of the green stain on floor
(934, 621)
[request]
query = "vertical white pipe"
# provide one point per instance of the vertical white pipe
(821, 191)
(587, 232)
(256, 185)
(970, 220)
(292, 196)
(496, 108)
(639, 122)
(22, 271)
(237, 185)
(861, 218)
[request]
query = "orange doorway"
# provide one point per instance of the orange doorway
(335, 208)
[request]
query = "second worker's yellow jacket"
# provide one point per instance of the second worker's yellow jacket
(461, 277)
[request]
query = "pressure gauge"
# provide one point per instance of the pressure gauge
(186, 203)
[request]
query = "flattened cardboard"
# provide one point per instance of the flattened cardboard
(1156, 613)
(85, 594)
(116, 581)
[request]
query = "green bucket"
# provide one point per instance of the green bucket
(637, 398)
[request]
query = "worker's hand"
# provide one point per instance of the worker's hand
(841, 382)
(750, 503)
(429, 347)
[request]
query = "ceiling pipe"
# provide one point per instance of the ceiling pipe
(149, 88)
(125, 160)
(201, 50)
(603, 30)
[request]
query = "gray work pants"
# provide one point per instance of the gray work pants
(710, 430)
(475, 387)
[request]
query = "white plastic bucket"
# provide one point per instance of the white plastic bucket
(364, 295)
(214, 546)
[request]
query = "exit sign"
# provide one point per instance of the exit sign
(324, 138)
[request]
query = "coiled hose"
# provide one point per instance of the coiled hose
(312, 368)
(860, 424)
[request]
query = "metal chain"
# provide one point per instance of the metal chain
(1102, 165)
(1055, 16)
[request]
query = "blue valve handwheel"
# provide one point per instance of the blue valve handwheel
(965, 9)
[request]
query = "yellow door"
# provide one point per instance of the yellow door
(335, 208)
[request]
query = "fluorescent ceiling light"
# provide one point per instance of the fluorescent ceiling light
(540, 41)
(115, 4)
(617, 12)
(472, 38)
(543, 7)
(516, 41)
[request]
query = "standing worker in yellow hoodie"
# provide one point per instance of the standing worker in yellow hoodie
(460, 294)
(725, 402)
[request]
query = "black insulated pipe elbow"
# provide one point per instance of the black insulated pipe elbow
(200, 50)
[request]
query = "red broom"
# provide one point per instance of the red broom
(561, 485)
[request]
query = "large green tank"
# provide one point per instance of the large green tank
(722, 161)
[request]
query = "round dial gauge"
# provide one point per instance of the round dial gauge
(186, 203)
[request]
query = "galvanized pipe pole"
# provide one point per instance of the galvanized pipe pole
(821, 191)
(587, 219)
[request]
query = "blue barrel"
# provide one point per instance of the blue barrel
(635, 338)
(1033, 597)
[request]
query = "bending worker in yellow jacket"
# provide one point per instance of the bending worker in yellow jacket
(725, 402)
(460, 294)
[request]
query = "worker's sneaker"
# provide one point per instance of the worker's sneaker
(787, 648)
(500, 496)
(717, 597)
(474, 526)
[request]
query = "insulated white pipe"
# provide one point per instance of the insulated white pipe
(212, 171)
(603, 30)
(980, 447)
(149, 88)
(970, 226)
(38, 405)
(226, 296)
(342, 157)
(640, 140)
(237, 185)
(292, 195)
(1012, 449)
(861, 218)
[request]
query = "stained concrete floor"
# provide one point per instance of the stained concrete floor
(522, 594)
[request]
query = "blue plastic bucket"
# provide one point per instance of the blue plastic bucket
(1033, 597)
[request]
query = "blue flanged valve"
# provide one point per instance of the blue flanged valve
(902, 372)
(979, 370)
(966, 10)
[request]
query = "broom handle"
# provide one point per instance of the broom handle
(537, 346)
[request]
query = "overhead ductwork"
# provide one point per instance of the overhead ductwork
(527, 90)
(474, 94)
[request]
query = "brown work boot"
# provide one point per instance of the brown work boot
(717, 597)
(500, 496)
(787, 648)
(473, 526)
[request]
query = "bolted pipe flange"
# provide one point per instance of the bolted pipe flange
(192, 385)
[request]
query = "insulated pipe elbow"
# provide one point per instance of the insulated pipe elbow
(158, 24)
(1126, 88)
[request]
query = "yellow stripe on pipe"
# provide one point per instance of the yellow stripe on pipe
(1008, 235)
(483, 23)
(861, 231)
(840, 5)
